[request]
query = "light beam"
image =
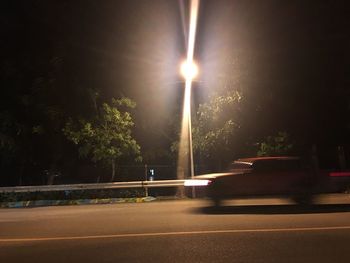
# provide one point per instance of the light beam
(189, 70)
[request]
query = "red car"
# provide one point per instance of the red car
(267, 176)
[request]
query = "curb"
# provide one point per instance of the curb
(37, 203)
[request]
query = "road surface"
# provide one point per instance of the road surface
(265, 230)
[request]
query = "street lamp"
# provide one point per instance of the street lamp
(189, 71)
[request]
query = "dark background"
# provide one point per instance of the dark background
(289, 59)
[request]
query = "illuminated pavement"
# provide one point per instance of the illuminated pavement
(268, 230)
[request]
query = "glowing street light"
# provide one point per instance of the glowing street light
(189, 70)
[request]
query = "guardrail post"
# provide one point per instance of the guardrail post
(146, 172)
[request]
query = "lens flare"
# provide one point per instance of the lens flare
(192, 30)
(189, 70)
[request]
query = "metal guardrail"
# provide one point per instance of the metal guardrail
(70, 187)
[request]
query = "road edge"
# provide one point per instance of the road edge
(36, 203)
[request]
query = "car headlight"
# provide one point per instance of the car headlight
(194, 182)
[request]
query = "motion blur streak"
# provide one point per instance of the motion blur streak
(197, 182)
(185, 146)
(338, 174)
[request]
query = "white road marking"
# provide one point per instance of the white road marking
(180, 233)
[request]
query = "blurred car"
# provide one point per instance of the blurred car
(265, 176)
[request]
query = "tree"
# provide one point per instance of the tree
(275, 145)
(215, 126)
(32, 116)
(107, 138)
(8, 143)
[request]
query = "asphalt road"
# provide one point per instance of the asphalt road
(265, 230)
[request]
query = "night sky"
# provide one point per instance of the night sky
(290, 59)
(293, 54)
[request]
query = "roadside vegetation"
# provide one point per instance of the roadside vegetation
(72, 195)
